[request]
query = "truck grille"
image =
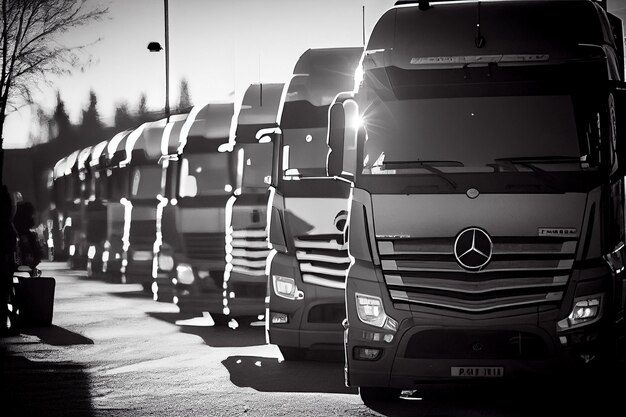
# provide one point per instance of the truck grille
(522, 271)
(205, 246)
(250, 251)
(323, 259)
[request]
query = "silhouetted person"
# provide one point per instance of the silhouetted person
(8, 266)
(30, 247)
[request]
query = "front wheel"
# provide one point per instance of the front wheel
(378, 395)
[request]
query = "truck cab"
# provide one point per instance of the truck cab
(145, 189)
(162, 260)
(96, 212)
(115, 182)
(307, 211)
(193, 221)
(58, 210)
(73, 203)
(245, 281)
(486, 225)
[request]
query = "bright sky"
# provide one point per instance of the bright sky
(220, 46)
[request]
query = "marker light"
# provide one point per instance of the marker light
(166, 262)
(286, 287)
(371, 311)
(586, 310)
(91, 253)
(185, 274)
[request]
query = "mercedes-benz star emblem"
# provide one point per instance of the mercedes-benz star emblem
(472, 248)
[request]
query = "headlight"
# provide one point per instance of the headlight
(286, 287)
(72, 250)
(371, 311)
(185, 274)
(586, 310)
(91, 253)
(166, 262)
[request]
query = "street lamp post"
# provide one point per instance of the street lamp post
(156, 47)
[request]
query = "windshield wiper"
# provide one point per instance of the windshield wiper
(539, 159)
(429, 166)
(531, 163)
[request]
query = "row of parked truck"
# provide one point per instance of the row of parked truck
(446, 203)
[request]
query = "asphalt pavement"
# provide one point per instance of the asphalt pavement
(112, 351)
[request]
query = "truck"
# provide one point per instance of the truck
(82, 176)
(58, 210)
(485, 146)
(96, 210)
(114, 181)
(144, 198)
(307, 211)
(163, 263)
(193, 249)
(245, 282)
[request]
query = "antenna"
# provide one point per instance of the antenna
(260, 84)
(363, 25)
(480, 40)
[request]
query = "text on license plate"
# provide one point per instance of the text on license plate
(477, 371)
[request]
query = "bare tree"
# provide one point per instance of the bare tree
(29, 47)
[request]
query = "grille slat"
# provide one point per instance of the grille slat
(522, 271)
(323, 259)
(249, 251)
(205, 246)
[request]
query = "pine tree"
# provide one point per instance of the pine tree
(61, 121)
(123, 118)
(91, 124)
(184, 102)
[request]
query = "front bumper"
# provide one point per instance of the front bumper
(138, 272)
(205, 293)
(315, 321)
(432, 344)
(245, 294)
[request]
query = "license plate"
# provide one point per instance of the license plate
(477, 371)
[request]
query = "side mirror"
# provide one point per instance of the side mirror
(267, 135)
(336, 135)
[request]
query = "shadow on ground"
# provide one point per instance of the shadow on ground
(43, 388)
(218, 335)
(132, 294)
(270, 375)
(57, 336)
(533, 398)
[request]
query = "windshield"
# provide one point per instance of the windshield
(471, 134)
(146, 182)
(205, 174)
(255, 161)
